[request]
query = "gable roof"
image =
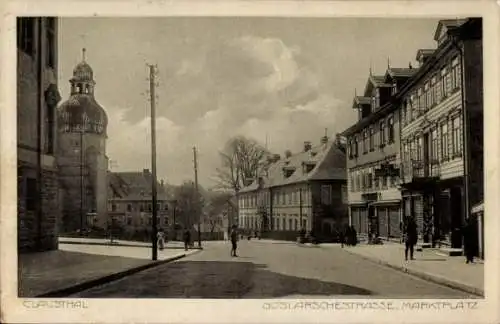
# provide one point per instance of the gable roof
(399, 72)
(329, 164)
(136, 186)
(375, 81)
(447, 24)
(360, 100)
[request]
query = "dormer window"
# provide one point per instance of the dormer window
(308, 167)
(288, 171)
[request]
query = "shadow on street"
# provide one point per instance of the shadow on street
(217, 279)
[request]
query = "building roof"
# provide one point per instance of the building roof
(135, 186)
(328, 161)
(360, 100)
(400, 72)
(448, 24)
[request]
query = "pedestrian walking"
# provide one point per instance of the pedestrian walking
(161, 239)
(187, 239)
(470, 241)
(411, 236)
(234, 241)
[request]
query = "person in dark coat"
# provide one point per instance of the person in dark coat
(470, 241)
(234, 241)
(353, 235)
(187, 239)
(411, 236)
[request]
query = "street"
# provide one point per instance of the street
(271, 270)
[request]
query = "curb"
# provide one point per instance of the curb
(122, 244)
(422, 275)
(64, 292)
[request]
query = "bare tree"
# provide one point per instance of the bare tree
(188, 205)
(241, 159)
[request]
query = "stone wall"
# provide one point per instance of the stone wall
(38, 232)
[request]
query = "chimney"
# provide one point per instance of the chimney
(307, 146)
(288, 153)
(324, 139)
(410, 66)
(145, 171)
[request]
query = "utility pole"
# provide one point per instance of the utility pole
(152, 87)
(198, 209)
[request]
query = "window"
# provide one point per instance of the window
(356, 146)
(376, 102)
(411, 108)
(49, 124)
(382, 134)
(443, 83)
(283, 222)
(343, 194)
(390, 124)
(372, 139)
(326, 194)
(129, 220)
(129, 207)
(296, 224)
(141, 208)
(434, 146)
(290, 199)
(455, 74)
(31, 194)
(419, 149)
(444, 141)
(113, 207)
(420, 104)
(50, 54)
(457, 139)
(427, 97)
(433, 91)
(25, 35)
(150, 207)
(365, 141)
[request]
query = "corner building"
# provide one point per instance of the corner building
(81, 155)
(37, 98)
(442, 132)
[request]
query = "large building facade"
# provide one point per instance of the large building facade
(37, 98)
(306, 190)
(442, 131)
(434, 158)
(81, 154)
(373, 159)
(130, 207)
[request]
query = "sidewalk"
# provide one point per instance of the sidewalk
(428, 265)
(76, 267)
(107, 242)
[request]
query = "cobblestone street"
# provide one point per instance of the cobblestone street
(271, 270)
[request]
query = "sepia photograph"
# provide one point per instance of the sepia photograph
(253, 157)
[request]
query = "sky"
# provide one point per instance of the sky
(289, 78)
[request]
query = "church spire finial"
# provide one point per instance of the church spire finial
(370, 67)
(84, 51)
(388, 63)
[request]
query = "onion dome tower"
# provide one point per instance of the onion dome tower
(81, 110)
(81, 158)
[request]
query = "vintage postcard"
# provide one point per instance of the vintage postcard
(249, 161)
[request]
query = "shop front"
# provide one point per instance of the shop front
(478, 213)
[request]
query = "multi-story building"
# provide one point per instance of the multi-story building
(373, 157)
(306, 190)
(130, 202)
(430, 155)
(37, 98)
(81, 154)
(442, 131)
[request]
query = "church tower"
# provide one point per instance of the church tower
(81, 158)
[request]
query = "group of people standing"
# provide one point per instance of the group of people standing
(348, 236)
